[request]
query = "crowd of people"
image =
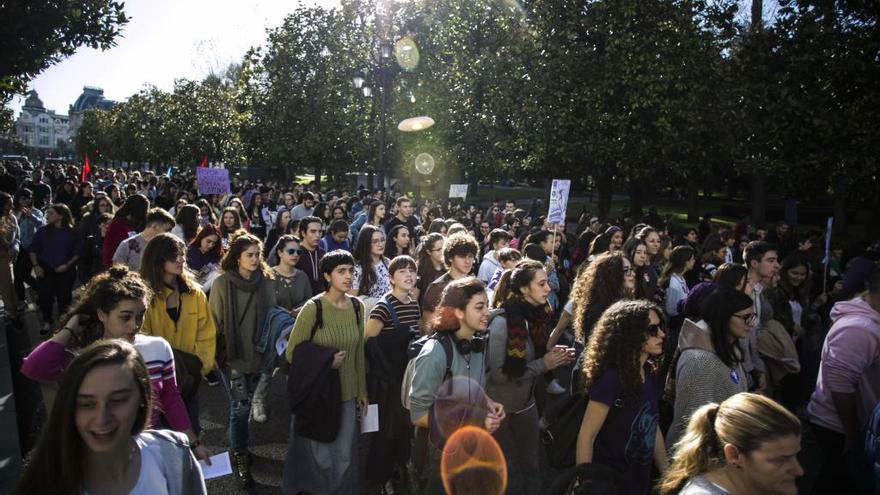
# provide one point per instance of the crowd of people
(705, 360)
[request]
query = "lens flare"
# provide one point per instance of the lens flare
(473, 464)
(424, 163)
(407, 53)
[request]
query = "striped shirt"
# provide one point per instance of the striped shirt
(49, 360)
(407, 313)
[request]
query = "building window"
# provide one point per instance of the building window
(44, 140)
(44, 120)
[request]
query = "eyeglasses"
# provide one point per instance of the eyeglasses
(748, 319)
(628, 270)
(292, 251)
(655, 329)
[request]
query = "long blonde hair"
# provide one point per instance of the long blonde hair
(744, 420)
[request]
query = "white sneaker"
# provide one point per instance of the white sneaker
(555, 388)
(258, 412)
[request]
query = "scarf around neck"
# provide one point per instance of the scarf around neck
(258, 292)
(523, 321)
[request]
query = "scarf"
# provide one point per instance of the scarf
(523, 321)
(258, 291)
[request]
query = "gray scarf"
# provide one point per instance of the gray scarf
(258, 290)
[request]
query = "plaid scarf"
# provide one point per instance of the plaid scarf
(523, 321)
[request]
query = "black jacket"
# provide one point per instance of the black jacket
(315, 392)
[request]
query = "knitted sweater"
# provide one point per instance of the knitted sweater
(340, 331)
(700, 378)
(49, 361)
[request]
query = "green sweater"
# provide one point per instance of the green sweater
(340, 331)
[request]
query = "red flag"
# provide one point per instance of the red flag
(86, 169)
(204, 162)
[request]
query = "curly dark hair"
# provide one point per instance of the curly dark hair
(616, 342)
(596, 288)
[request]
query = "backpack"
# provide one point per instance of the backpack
(872, 444)
(413, 351)
(560, 428)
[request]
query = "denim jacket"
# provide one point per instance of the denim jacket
(28, 226)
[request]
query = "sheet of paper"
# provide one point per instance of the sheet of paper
(370, 422)
(220, 466)
(281, 343)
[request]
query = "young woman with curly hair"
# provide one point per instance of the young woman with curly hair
(606, 280)
(112, 306)
(620, 427)
(517, 357)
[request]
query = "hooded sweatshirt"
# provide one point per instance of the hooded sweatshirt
(488, 266)
(850, 363)
(700, 377)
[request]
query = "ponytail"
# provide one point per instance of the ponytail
(502, 289)
(744, 420)
(698, 451)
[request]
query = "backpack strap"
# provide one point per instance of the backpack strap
(319, 316)
(319, 313)
(446, 344)
(355, 303)
(391, 312)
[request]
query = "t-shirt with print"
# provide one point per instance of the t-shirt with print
(130, 251)
(382, 280)
(431, 299)
(626, 441)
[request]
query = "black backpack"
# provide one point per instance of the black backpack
(560, 428)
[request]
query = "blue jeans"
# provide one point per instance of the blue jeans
(241, 386)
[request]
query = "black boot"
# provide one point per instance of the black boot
(242, 465)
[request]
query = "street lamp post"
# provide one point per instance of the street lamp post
(383, 74)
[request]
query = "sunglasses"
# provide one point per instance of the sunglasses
(655, 329)
(292, 251)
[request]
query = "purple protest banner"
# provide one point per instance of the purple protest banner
(212, 180)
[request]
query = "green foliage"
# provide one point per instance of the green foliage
(35, 35)
(638, 94)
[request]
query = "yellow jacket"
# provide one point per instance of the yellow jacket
(194, 331)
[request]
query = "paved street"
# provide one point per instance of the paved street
(268, 441)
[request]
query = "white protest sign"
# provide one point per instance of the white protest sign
(212, 180)
(458, 190)
(558, 201)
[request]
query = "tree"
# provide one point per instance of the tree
(35, 35)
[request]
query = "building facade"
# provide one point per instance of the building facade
(91, 97)
(42, 129)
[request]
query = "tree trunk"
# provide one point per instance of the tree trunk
(635, 199)
(317, 175)
(693, 200)
(759, 199)
(604, 184)
(840, 224)
(757, 15)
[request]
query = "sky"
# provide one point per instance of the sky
(163, 41)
